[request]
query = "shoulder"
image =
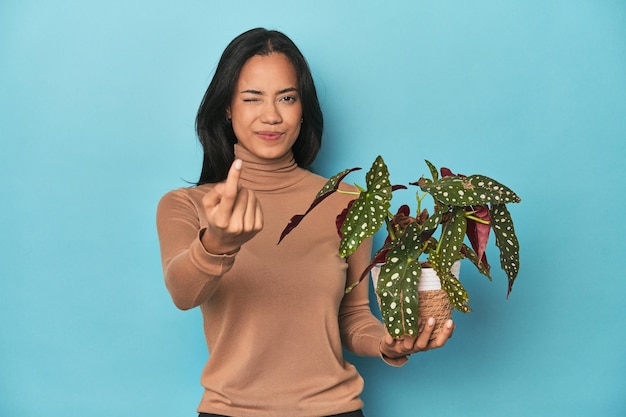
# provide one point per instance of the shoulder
(183, 198)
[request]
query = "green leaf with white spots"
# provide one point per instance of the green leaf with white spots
(469, 191)
(432, 223)
(398, 282)
(450, 284)
(451, 239)
(368, 212)
(433, 170)
(506, 241)
(482, 267)
(448, 252)
(498, 192)
(333, 182)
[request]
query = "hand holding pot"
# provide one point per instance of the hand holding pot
(397, 348)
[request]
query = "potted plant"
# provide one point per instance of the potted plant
(464, 207)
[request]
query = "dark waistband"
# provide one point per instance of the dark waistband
(357, 413)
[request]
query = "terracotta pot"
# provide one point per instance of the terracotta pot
(433, 301)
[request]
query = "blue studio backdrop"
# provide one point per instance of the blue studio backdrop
(97, 107)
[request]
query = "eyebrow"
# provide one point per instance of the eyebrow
(258, 92)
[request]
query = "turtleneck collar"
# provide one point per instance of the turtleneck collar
(268, 174)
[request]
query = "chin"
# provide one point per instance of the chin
(272, 152)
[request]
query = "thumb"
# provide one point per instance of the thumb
(213, 197)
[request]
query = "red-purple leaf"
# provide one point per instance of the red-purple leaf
(404, 210)
(445, 172)
(295, 220)
(341, 217)
(380, 257)
(478, 233)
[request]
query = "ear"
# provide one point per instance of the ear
(228, 115)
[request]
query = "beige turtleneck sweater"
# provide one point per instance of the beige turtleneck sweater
(275, 316)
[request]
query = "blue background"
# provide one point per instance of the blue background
(97, 106)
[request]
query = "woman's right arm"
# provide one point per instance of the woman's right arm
(195, 253)
(191, 273)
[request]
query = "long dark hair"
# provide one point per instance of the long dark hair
(216, 133)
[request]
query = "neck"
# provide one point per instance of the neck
(268, 174)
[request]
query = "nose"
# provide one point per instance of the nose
(271, 114)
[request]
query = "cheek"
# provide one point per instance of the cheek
(296, 130)
(238, 128)
(296, 119)
(240, 119)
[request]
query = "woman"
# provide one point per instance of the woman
(275, 316)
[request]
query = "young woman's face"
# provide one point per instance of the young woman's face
(266, 111)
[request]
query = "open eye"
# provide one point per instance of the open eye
(289, 99)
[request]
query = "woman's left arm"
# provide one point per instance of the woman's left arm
(361, 331)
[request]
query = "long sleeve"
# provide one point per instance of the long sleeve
(361, 332)
(191, 273)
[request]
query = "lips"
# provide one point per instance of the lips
(269, 136)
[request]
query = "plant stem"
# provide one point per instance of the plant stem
(349, 192)
(476, 219)
(390, 231)
(419, 201)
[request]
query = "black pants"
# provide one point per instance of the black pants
(357, 413)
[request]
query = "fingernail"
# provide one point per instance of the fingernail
(238, 163)
(431, 321)
(449, 324)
